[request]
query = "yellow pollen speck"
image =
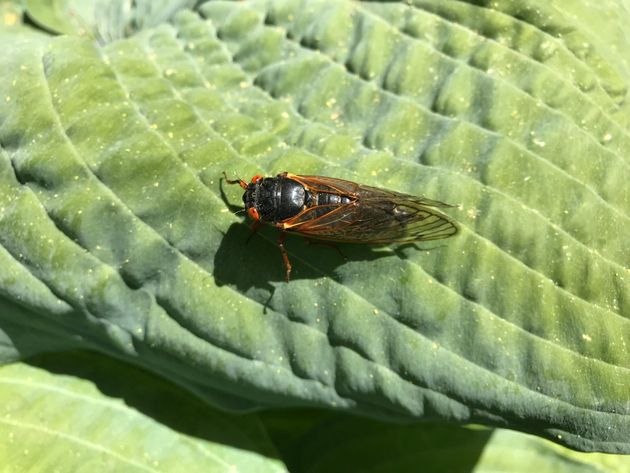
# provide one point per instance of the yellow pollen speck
(10, 19)
(472, 212)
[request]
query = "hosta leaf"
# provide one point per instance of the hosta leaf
(63, 423)
(117, 233)
(105, 20)
(323, 442)
(61, 17)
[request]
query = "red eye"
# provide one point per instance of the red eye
(256, 178)
(253, 213)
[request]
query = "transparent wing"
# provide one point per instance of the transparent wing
(375, 218)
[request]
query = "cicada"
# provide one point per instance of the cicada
(331, 209)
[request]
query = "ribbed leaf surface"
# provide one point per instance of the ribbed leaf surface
(61, 423)
(117, 234)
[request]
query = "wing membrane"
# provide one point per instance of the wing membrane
(331, 185)
(374, 215)
(353, 189)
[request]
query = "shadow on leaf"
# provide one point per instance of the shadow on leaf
(159, 399)
(258, 262)
(306, 440)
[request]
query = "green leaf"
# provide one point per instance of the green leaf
(329, 442)
(106, 20)
(116, 417)
(62, 422)
(117, 235)
(62, 17)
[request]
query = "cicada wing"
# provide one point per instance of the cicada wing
(407, 220)
(370, 194)
(379, 221)
(374, 215)
(331, 185)
(359, 191)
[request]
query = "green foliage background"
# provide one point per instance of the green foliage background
(139, 332)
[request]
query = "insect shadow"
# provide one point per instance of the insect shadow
(254, 261)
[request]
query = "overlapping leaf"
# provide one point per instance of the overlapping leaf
(58, 422)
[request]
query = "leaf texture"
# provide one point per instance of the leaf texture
(54, 421)
(117, 234)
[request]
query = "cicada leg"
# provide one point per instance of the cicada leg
(240, 182)
(285, 256)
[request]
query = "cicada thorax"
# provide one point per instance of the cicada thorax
(275, 198)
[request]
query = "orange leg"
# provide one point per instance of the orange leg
(240, 182)
(285, 256)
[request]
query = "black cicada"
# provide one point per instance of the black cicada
(327, 208)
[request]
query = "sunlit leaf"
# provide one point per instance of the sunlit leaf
(116, 233)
